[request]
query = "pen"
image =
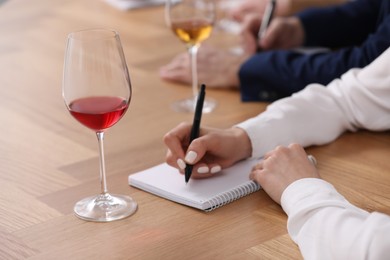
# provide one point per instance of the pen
(196, 126)
(268, 13)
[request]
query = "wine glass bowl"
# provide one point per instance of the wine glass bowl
(192, 22)
(98, 112)
(97, 93)
(192, 32)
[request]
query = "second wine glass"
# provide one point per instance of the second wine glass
(192, 22)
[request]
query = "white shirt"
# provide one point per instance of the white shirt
(320, 220)
(326, 226)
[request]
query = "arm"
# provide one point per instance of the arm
(332, 25)
(293, 6)
(326, 226)
(283, 8)
(321, 221)
(270, 75)
(318, 115)
(347, 24)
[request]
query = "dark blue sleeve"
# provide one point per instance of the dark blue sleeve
(340, 25)
(271, 75)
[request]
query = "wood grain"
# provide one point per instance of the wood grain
(49, 161)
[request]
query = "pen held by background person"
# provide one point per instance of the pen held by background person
(267, 17)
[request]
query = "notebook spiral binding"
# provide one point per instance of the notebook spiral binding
(232, 195)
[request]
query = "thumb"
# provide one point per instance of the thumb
(196, 150)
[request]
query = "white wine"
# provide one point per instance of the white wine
(192, 31)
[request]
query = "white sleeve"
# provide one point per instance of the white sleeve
(318, 114)
(326, 226)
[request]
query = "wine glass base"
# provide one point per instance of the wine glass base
(105, 207)
(188, 105)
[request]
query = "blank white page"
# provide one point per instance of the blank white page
(165, 181)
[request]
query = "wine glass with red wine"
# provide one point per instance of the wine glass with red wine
(97, 92)
(192, 22)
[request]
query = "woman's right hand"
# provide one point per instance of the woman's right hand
(212, 151)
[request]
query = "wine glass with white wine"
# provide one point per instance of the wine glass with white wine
(192, 22)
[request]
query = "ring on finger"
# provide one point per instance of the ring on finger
(312, 159)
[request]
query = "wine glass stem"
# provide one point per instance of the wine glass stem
(103, 183)
(193, 50)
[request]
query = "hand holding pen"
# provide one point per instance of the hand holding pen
(274, 33)
(202, 152)
(254, 27)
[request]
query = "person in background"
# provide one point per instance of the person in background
(356, 33)
(320, 220)
(283, 7)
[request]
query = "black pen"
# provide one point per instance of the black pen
(196, 126)
(267, 17)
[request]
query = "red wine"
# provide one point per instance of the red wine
(98, 113)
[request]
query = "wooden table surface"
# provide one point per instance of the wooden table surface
(48, 161)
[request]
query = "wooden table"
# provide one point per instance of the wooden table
(49, 161)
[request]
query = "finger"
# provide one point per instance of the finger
(250, 26)
(176, 76)
(253, 175)
(297, 148)
(206, 170)
(270, 36)
(178, 73)
(201, 146)
(201, 170)
(258, 166)
(177, 64)
(170, 159)
(215, 168)
(196, 150)
(175, 139)
(268, 154)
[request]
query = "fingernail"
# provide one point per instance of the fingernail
(190, 157)
(181, 164)
(203, 169)
(216, 169)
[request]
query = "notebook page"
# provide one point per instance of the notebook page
(165, 181)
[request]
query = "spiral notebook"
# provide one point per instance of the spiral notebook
(205, 194)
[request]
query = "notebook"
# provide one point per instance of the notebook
(205, 194)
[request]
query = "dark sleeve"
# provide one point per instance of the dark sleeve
(340, 25)
(271, 75)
